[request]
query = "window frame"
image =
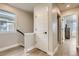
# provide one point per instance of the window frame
(8, 20)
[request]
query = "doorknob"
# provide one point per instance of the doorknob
(45, 32)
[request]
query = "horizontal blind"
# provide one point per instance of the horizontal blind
(7, 15)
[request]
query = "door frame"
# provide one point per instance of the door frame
(62, 37)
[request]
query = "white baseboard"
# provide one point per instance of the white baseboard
(26, 50)
(55, 49)
(8, 47)
(50, 53)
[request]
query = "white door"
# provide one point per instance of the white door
(41, 28)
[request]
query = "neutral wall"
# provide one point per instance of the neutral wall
(24, 22)
(7, 40)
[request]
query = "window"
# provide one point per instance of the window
(7, 21)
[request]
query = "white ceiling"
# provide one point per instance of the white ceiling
(62, 6)
(29, 6)
(24, 6)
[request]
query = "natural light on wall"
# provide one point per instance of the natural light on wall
(7, 21)
(56, 10)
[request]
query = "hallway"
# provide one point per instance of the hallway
(68, 48)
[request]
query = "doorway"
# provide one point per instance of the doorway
(69, 26)
(69, 34)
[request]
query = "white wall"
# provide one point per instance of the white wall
(53, 40)
(24, 22)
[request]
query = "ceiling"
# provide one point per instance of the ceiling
(29, 6)
(24, 6)
(62, 6)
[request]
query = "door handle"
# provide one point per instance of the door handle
(45, 32)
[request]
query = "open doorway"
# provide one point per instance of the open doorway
(69, 33)
(69, 25)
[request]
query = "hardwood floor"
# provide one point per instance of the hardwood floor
(36, 52)
(19, 51)
(68, 48)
